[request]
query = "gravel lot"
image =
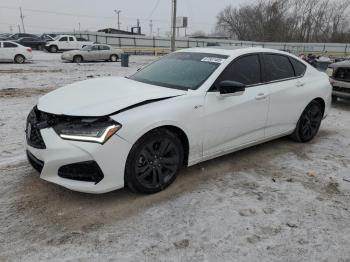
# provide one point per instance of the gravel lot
(280, 201)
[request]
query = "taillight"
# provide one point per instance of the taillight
(29, 50)
(331, 81)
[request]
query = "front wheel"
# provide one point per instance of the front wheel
(154, 162)
(309, 123)
(53, 49)
(77, 59)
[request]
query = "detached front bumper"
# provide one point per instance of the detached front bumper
(72, 163)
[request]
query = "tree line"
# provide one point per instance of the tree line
(287, 21)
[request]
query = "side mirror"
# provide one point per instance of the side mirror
(228, 88)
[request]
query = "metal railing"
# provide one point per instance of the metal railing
(159, 45)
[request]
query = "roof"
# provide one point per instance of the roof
(234, 51)
(341, 64)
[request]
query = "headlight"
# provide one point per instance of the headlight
(97, 130)
(330, 71)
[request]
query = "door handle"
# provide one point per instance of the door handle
(260, 96)
(300, 84)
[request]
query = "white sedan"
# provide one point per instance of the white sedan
(96, 52)
(13, 52)
(103, 134)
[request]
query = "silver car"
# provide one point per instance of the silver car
(96, 52)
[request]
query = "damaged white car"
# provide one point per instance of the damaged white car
(103, 134)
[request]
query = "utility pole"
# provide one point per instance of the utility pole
(151, 28)
(22, 18)
(118, 15)
(173, 25)
(19, 28)
(11, 29)
(79, 27)
(158, 30)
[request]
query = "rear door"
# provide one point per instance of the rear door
(9, 51)
(284, 79)
(237, 120)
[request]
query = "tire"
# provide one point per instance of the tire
(309, 123)
(19, 59)
(113, 58)
(78, 59)
(154, 162)
(53, 49)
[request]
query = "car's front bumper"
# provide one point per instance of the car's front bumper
(341, 88)
(110, 157)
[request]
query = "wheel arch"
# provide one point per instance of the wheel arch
(321, 102)
(179, 132)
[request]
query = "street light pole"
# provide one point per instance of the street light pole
(22, 18)
(118, 15)
(173, 25)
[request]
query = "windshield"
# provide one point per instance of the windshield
(182, 70)
(86, 48)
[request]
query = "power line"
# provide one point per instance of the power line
(153, 10)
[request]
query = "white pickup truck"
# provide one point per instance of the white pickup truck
(66, 42)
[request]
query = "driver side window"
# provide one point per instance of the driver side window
(245, 70)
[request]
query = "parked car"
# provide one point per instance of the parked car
(98, 135)
(339, 74)
(94, 52)
(66, 42)
(33, 42)
(19, 35)
(4, 36)
(14, 52)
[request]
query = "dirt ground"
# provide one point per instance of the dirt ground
(280, 201)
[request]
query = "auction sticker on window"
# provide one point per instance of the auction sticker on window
(213, 60)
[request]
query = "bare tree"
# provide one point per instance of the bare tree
(288, 20)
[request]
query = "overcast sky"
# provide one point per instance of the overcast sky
(46, 15)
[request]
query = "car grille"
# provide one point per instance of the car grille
(342, 74)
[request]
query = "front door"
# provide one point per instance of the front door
(237, 120)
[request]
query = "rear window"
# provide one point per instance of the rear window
(277, 67)
(9, 45)
(299, 67)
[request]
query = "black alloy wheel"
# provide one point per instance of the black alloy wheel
(154, 162)
(309, 123)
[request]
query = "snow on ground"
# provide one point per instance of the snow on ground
(280, 201)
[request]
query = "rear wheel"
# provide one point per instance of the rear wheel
(114, 58)
(40, 47)
(77, 59)
(309, 123)
(20, 59)
(154, 162)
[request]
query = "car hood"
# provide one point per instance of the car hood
(102, 96)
